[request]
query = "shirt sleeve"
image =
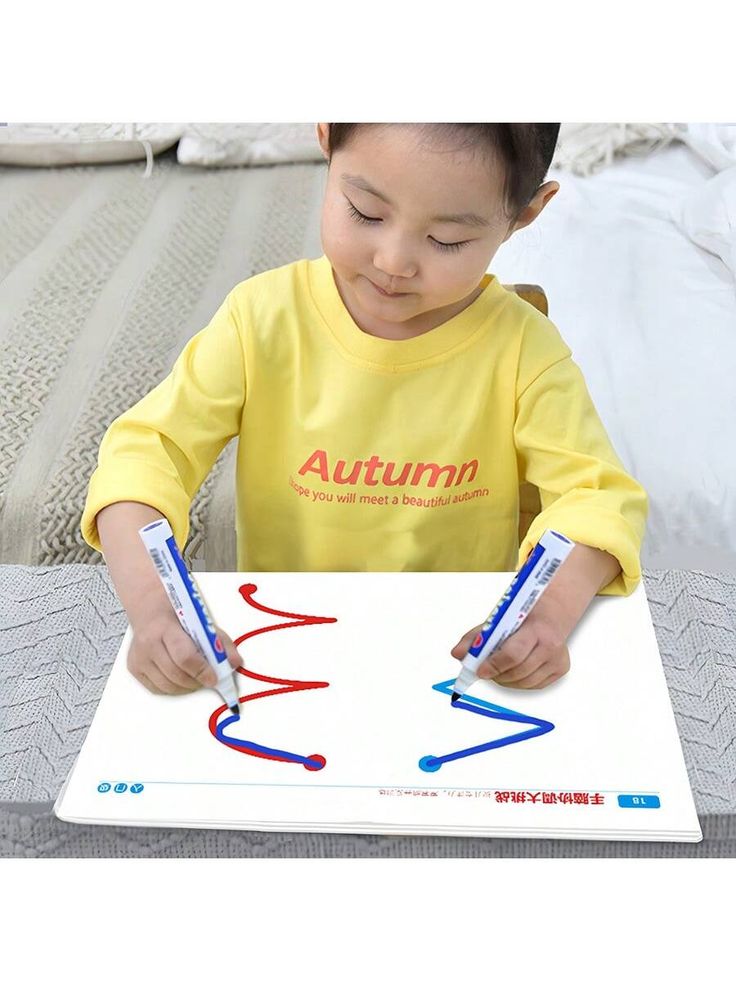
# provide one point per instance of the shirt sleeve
(585, 492)
(159, 451)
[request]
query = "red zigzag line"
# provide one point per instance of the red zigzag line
(301, 620)
(247, 591)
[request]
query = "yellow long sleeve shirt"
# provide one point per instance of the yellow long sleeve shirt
(358, 453)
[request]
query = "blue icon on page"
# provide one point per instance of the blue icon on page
(136, 788)
(638, 800)
(120, 788)
(103, 787)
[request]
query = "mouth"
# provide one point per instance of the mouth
(385, 292)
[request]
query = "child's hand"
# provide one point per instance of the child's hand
(536, 655)
(533, 657)
(164, 659)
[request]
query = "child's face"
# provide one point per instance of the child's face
(432, 265)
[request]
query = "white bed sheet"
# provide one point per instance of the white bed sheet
(651, 319)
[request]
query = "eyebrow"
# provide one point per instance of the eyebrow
(466, 218)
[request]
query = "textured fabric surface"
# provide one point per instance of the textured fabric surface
(61, 627)
(104, 276)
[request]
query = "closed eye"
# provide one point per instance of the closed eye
(442, 246)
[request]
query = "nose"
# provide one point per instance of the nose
(393, 261)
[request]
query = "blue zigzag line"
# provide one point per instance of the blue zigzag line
(539, 727)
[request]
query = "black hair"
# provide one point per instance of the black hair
(524, 149)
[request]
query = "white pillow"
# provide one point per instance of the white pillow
(586, 148)
(233, 144)
(708, 216)
(714, 142)
(57, 144)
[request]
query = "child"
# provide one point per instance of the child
(389, 397)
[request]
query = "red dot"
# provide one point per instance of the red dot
(317, 762)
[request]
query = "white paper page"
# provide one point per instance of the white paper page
(604, 735)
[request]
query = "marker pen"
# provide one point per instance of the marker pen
(189, 605)
(513, 608)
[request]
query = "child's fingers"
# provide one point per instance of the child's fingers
(159, 684)
(234, 657)
(538, 671)
(532, 663)
(509, 656)
(185, 663)
(146, 682)
(463, 645)
(549, 680)
(176, 677)
(141, 664)
(537, 679)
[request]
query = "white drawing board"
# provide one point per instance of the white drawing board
(358, 733)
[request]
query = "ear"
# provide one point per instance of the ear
(323, 131)
(535, 207)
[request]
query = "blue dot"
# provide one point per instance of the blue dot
(103, 788)
(430, 764)
(120, 788)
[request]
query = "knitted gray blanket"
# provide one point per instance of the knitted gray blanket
(104, 276)
(61, 627)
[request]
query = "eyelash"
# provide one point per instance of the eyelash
(442, 246)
